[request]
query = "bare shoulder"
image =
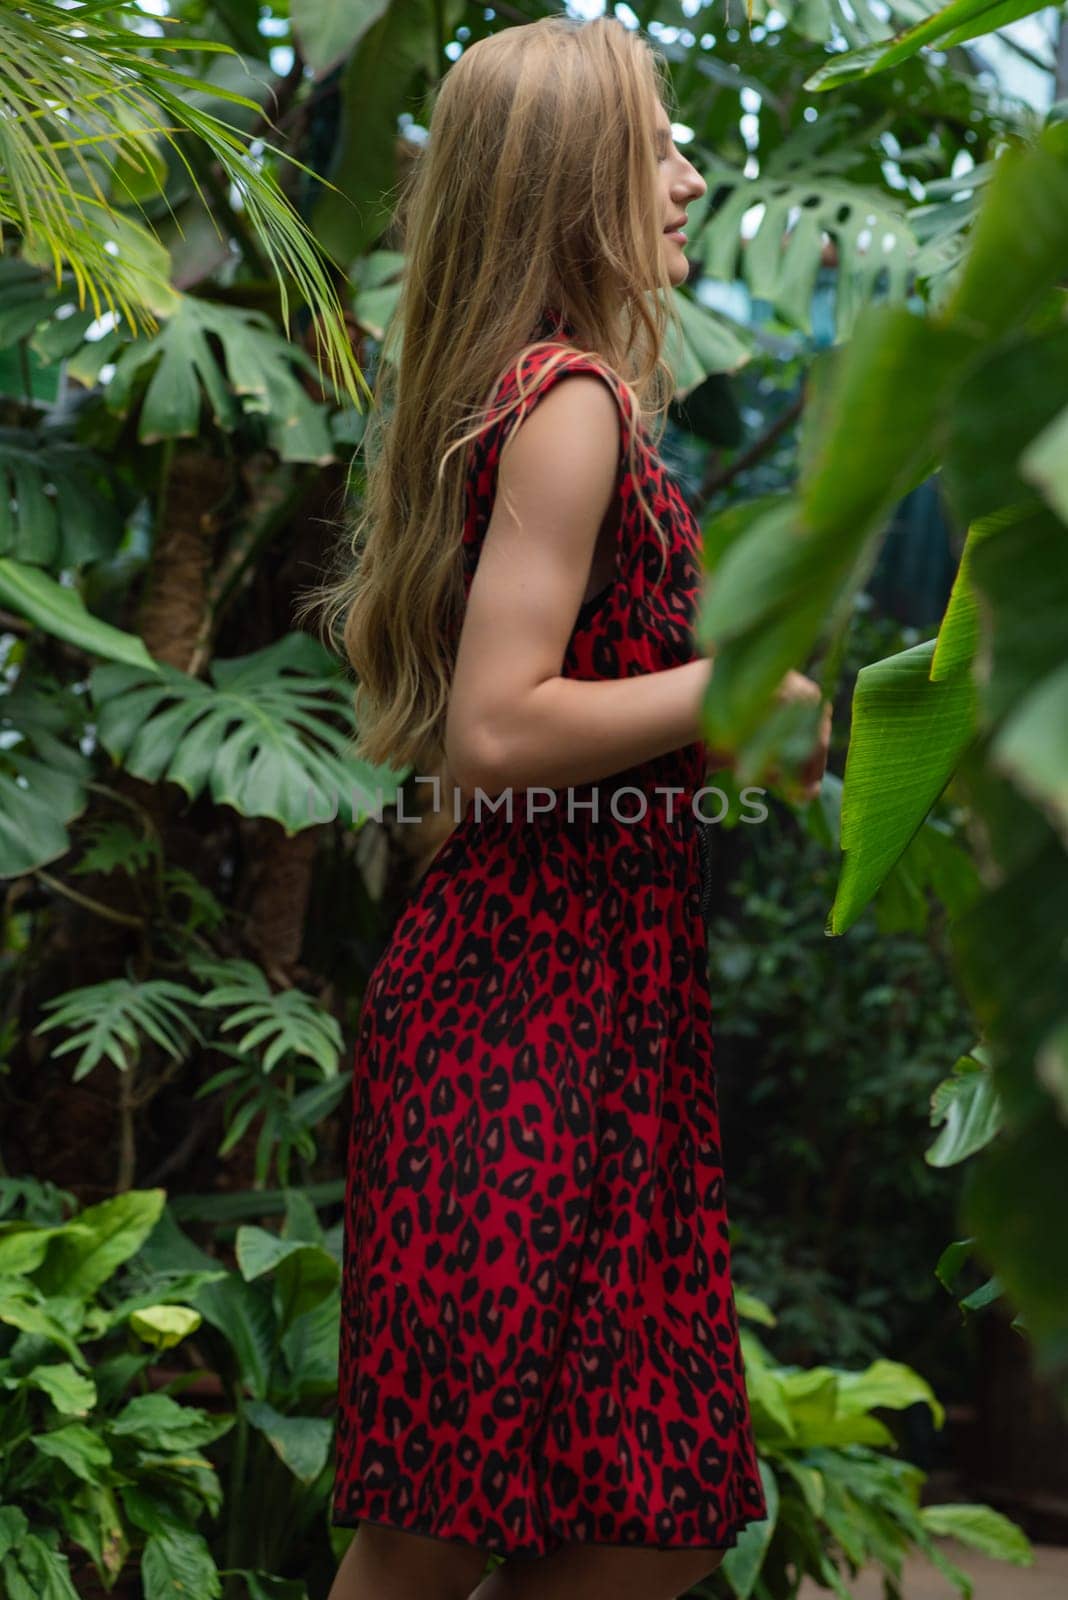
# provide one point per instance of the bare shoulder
(572, 431)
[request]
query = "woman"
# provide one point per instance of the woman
(539, 1349)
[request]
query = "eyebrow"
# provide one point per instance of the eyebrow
(662, 136)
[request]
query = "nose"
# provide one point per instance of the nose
(696, 186)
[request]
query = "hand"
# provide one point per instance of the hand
(804, 785)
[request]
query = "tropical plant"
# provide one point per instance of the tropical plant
(271, 1335)
(117, 1019)
(981, 703)
(94, 1462)
(192, 894)
(94, 109)
(837, 1499)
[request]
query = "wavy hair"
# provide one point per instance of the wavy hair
(536, 188)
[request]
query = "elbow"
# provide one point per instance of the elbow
(477, 761)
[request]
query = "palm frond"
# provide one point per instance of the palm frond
(84, 97)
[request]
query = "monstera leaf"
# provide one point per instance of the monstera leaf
(55, 506)
(263, 736)
(709, 344)
(807, 175)
(43, 776)
(256, 369)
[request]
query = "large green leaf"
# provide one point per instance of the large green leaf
(303, 1443)
(304, 1274)
(1032, 746)
(59, 610)
(953, 24)
(86, 1253)
(72, 1394)
(792, 576)
(1021, 576)
(375, 89)
(82, 1451)
(968, 1107)
(311, 1351)
(793, 573)
(908, 734)
(1045, 463)
(885, 1383)
(805, 191)
(327, 30)
(986, 441)
(43, 774)
(37, 1572)
(982, 1528)
(257, 365)
(709, 344)
(161, 1423)
(958, 633)
(240, 1311)
(92, 1518)
(55, 508)
(1020, 241)
(178, 1566)
(263, 737)
(13, 1529)
(23, 1307)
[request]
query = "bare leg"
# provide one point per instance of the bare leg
(387, 1564)
(597, 1572)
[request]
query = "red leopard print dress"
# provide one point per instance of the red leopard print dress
(538, 1339)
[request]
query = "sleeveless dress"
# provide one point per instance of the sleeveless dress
(538, 1339)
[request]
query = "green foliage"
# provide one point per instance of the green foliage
(274, 1323)
(89, 1458)
(255, 371)
(952, 24)
(981, 704)
(837, 1499)
(827, 1055)
(43, 775)
(118, 1019)
(60, 611)
(808, 176)
(113, 1019)
(168, 478)
(56, 507)
(261, 737)
(86, 94)
(282, 1025)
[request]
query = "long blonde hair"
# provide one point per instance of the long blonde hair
(537, 188)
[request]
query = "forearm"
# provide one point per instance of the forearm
(572, 731)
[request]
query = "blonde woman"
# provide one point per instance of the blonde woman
(539, 1349)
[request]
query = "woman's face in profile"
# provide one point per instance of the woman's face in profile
(679, 182)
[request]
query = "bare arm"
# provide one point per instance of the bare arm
(513, 720)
